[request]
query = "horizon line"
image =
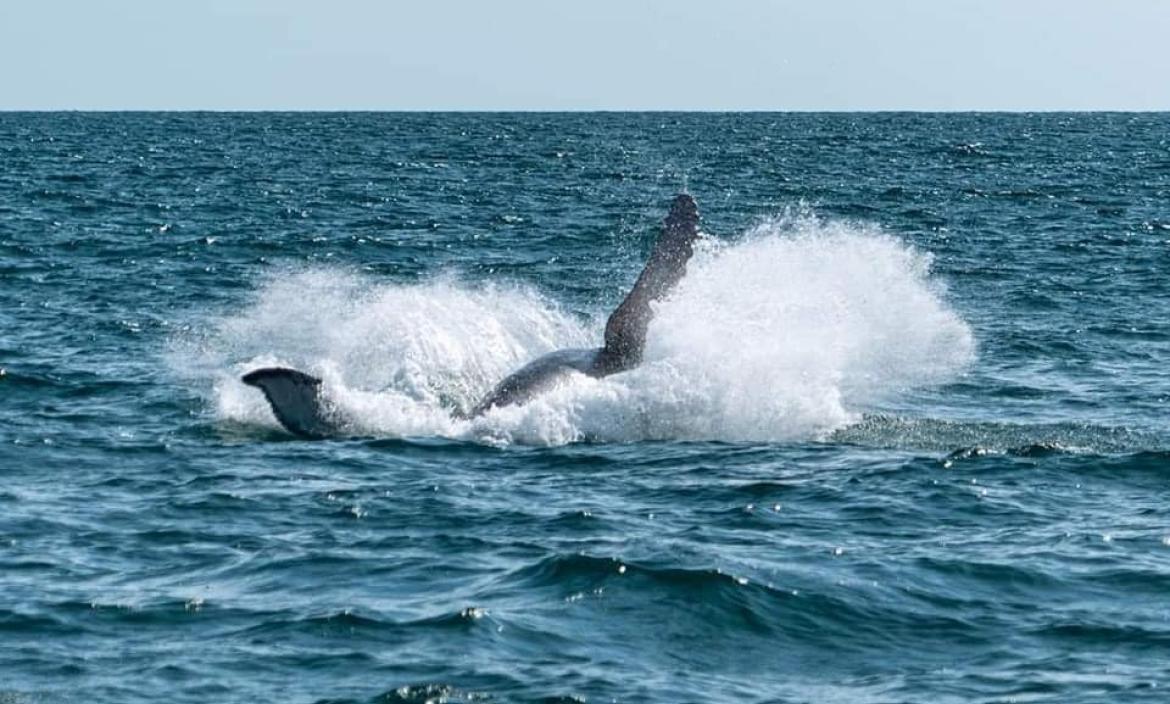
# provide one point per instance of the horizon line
(551, 111)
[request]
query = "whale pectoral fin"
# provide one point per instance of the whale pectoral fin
(625, 331)
(295, 399)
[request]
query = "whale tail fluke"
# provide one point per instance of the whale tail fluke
(296, 400)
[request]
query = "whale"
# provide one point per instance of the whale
(298, 401)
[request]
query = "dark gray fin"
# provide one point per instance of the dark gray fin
(625, 331)
(296, 401)
(535, 378)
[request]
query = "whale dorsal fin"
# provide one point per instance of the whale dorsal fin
(625, 331)
(296, 401)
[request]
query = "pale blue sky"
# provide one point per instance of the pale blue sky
(587, 54)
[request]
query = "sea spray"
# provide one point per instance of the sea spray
(395, 358)
(796, 329)
(786, 334)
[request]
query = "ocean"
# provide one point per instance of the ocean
(900, 434)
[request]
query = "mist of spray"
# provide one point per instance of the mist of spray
(788, 334)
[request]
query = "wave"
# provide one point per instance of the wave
(972, 439)
(787, 334)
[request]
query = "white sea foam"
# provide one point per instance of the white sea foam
(789, 333)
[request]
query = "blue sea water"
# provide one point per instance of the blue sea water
(901, 434)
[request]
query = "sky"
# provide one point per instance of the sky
(585, 55)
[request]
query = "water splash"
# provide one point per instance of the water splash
(792, 332)
(788, 334)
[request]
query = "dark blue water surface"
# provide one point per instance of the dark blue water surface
(926, 460)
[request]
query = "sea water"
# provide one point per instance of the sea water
(899, 435)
